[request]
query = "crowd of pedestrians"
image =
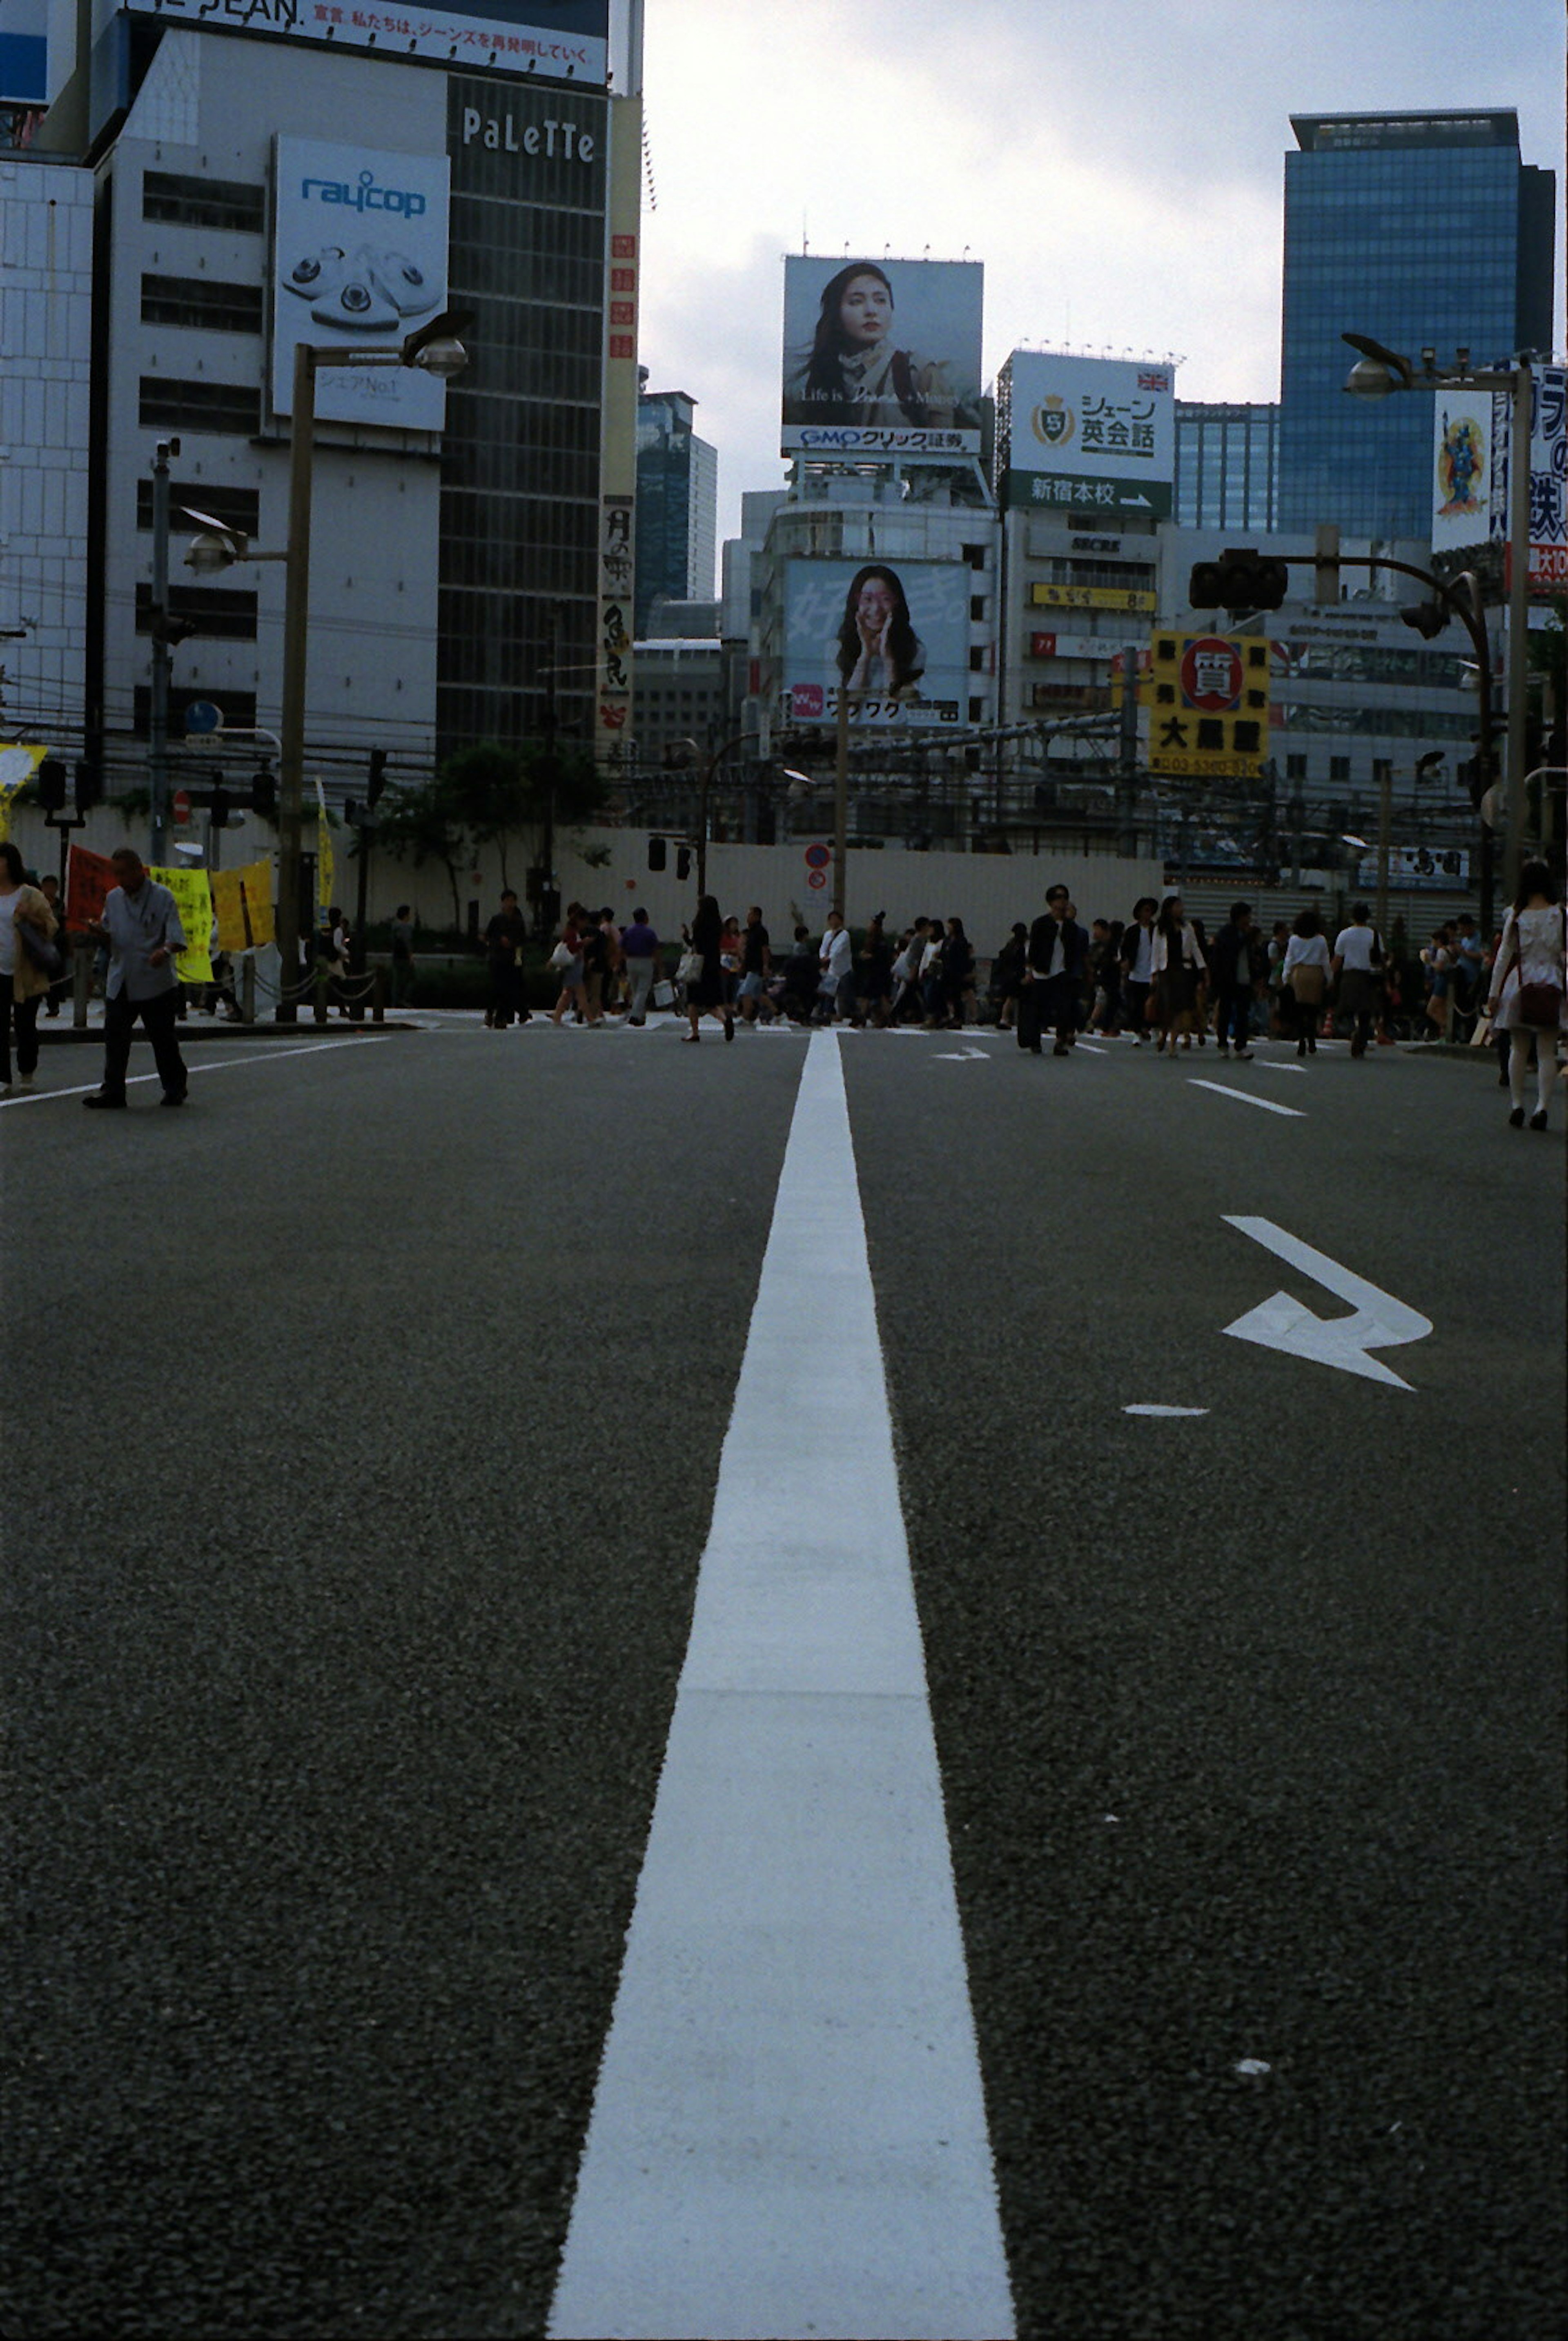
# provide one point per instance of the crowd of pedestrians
(1157, 979)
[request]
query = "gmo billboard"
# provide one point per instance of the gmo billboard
(894, 634)
(359, 257)
(1091, 432)
(881, 357)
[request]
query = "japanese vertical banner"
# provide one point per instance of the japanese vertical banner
(192, 893)
(17, 766)
(88, 878)
(242, 904)
(324, 865)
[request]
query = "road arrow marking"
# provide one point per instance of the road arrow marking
(1379, 1321)
(962, 1056)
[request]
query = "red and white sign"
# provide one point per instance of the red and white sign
(1212, 676)
(816, 878)
(182, 808)
(817, 857)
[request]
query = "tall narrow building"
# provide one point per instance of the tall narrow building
(1425, 231)
(677, 504)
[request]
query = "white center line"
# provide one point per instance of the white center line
(262, 1052)
(1273, 1065)
(1266, 1105)
(789, 2133)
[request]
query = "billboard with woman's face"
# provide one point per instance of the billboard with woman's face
(894, 634)
(881, 357)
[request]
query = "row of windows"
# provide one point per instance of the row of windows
(204, 202)
(236, 508)
(220, 611)
(203, 301)
(167, 404)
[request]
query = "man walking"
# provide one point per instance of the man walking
(503, 939)
(836, 961)
(756, 964)
(1053, 975)
(142, 931)
(1239, 967)
(640, 949)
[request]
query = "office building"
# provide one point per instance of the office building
(1227, 471)
(460, 544)
(1425, 231)
(677, 504)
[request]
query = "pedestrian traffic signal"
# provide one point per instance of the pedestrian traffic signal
(658, 854)
(682, 860)
(218, 807)
(1241, 579)
(264, 793)
(377, 781)
(1472, 779)
(89, 784)
(1428, 617)
(51, 784)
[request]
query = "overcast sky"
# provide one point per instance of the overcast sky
(1117, 164)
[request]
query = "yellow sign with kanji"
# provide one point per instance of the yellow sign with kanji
(193, 895)
(1208, 702)
(1091, 597)
(242, 904)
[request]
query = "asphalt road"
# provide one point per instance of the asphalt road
(366, 1422)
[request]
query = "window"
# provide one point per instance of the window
(202, 203)
(977, 607)
(203, 301)
(236, 508)
(1339, 768)
(1295, 768)
(167, 404)
(211, 610)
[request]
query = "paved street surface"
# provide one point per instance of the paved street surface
(477, 1507)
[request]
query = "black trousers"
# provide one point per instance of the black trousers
(157, 1017)
(1235, 1015)
(25, 1012)
(1049, 1004)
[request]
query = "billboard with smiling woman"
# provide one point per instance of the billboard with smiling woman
(896, 634)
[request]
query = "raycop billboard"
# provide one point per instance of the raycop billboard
(896, 634)
(1096, 434)
(544, 37)
(881, 357)
(359, 258)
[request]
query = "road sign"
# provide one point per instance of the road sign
(817, 857)
(182, 807)
(202, 716)
(816, 878)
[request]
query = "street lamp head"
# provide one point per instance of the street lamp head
(445, 358)
(1370, 378)
(212, 549)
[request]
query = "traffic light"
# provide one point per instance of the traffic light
(351, 812)
(170, 632)
(377, 780)
(1241, 579)
(89, 784)
(50, 780)
(263, 791)
(682, 860)
(1428, 617)
(1471, 773)
(658, 854)
(218, 806)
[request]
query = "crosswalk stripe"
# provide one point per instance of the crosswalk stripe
(789, 2133)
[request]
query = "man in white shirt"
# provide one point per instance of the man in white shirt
(1357, 969)
(141, 927)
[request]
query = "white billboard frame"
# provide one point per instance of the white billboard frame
(882, 358)
(827, 624)
(1091, 431)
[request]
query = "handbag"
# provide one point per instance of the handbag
(42, 953)
(664, 994)
(1538, 1003)
(562, 956)
(690, 970)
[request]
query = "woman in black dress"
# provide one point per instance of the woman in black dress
(706, 992)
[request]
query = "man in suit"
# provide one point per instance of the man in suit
(1053, 975)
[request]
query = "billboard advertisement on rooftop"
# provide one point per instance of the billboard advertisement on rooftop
(1092, 433)
(882, 358)
(895, 635)
(559, 39)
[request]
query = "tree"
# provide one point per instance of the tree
(489, 790)
(427, 823)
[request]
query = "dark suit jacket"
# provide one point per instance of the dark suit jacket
(1041, 940)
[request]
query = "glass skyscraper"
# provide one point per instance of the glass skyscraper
(677, 504)
(1425, 231)
(1227, 466)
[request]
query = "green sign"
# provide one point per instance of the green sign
(1056, 491)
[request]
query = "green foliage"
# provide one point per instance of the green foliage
(426, 824)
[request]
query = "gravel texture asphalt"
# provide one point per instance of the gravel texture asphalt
(368, 1415)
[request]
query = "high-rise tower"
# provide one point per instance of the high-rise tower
(1425, 230)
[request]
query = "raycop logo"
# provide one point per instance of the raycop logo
(407, 203)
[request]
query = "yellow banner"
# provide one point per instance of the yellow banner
(1091, 597)
(17, 766)
(323, 869)
(193, 895)
(242, 899)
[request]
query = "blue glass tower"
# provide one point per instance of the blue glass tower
(1426, 231)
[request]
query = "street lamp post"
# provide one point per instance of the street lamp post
(436, 349)
(1379, 371)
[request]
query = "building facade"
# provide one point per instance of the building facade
(455, 583)
(677, 504)
(1227, 471)
(1423, 231)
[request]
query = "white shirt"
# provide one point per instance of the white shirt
(1306, 950)
(837, 952)
(1144, 956)
(1352, 948)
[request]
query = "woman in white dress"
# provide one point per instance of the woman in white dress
(1530, 988)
